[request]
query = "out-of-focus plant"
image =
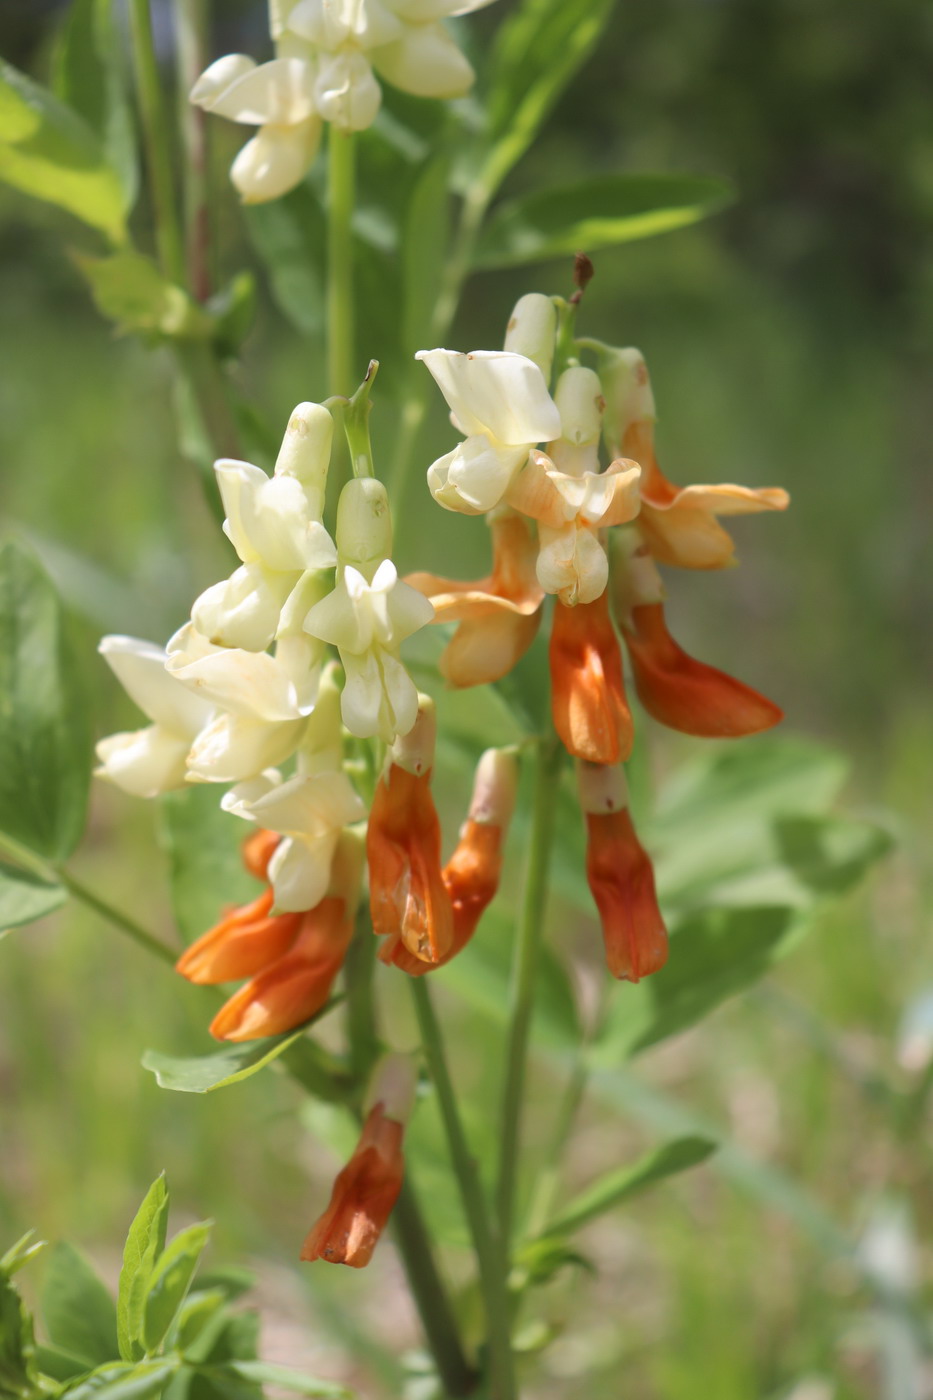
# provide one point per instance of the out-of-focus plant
(309, 684)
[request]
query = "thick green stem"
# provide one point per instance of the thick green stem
(156, 138)
(490, 1256)
(440, 1326)
(524, 976)
(340, 306)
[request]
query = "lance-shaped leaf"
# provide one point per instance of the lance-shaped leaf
(18, 1373)
(47, 151)
(200, 1074)
(79, 1313)
(127, 1382)
(25, 897)
(144, 1245)
(171, 1280)
(45, 756)
(284, 1378)
(88, 75)
(593, 214)
(20, 1253)
(617, 1186)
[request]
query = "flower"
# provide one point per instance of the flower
(678, 524)
(499, 400)
(274, 524)
(498, 616)
(588, 704)
(278, 97)
(471, 876)
(368, 1186)
(152, 760)
(407, 897)
(620, 876)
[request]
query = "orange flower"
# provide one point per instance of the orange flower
(471, 876)
(407, 897)
(368, 1187)
(588, 702)
(498, 615)
(258, 850)
(245, 940)
(621, 878)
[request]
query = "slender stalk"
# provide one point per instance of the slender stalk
(524, 975)
(440, 1326)
(548, 1181)
(489, 1256)
(116, 917)
(341, 177)
(358, 969)
(191, 29)
(155, 128)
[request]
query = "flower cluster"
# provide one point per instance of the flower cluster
(591, 535)
(326, 52)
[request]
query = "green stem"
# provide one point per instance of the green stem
(440, 1326)
(191, 27)
(358, 968)
(340, 305)
(117, 918)
(156, 139)
(489, 1255)
(524, 975)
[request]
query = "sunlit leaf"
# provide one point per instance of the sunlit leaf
(201, 1074)
(286, 1379)
(79, 1313)
(171, 1279)
(45, 758)
(595, 213)
(144, 1244)
(88, 75)
(26, 1247)
(126, 1382)
(47, 151)
(617, 1186)
(129, 290)
(25, 897)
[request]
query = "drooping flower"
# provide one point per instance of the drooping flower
(471, 876)
(498, 615)
(367, 1188)
(588, 704)
(679, 524)
(620, 876)
(408, 900)
(500, 402)
(152, 760)
(675, 689)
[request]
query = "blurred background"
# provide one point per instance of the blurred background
(789, 344)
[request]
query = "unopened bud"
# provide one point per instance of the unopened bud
(603, 787)
(634, 578)
(414, 751)
(579, 397)
(494, 788)
(532, 330)
(305, 450)
(627, 390)
(364, 525)
(393, 1083)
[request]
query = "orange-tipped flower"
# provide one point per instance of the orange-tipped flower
(407, 897)
(245, 940)
(471, 876)
(258, 850)
(498, 615)
(591, 714)
(620, 877)
(368, 1187)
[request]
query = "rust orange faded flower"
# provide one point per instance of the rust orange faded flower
(368, 1186)
(407, 897)
(620, 876)
(590, 711)
(498, 615)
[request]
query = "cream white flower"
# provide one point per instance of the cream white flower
(278, 97)
(274, 524)
(500, 402)
(152, 760)
(367, 622)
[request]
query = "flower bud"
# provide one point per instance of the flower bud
(634, 578)
(393, 1083)
(414, 751)
(626, 387)
(305, 450)
(532, 330)
(494, 788)
(603, 787)
(579, 398)
(364, 525)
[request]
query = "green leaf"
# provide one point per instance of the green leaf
(200, 1074)
(593, 214)
(205, 867)
(25, 897)
(144, 1244)
(18, 1373)
(129, 289)
(425, 250)
(20, 1253)
(126, 1382)
(714, 954)
(59, 1364)
(171, 1280)
(267, 1374)
(47, 151)
(79, 1313)
(45, 755)
(537, 51)
(542, 1259)
(617, 1186)
(88, 76)
(289, 237)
